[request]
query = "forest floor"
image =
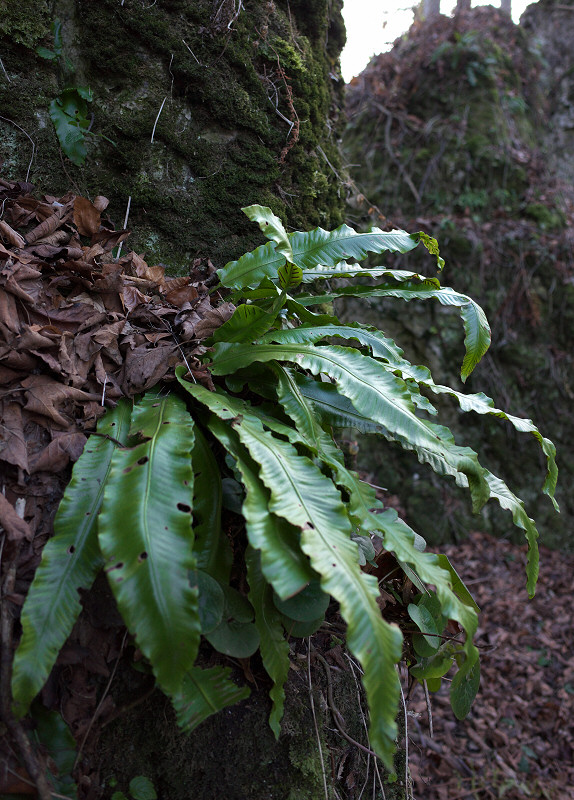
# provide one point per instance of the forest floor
(518, 740)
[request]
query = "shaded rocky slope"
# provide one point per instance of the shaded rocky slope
(449, 133)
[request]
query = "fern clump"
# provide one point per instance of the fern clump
(146, 496)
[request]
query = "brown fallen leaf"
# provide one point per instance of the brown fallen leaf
(64, 448)
(47, 398)
(15, 527)
(12, 442)
(86, 216)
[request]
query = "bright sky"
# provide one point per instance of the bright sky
(373, 25)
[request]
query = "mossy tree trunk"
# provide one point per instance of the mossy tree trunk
(199, 108)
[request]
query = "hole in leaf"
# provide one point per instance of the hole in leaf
(71, 550)
(142, 556)
(184, 507)
(143, 460)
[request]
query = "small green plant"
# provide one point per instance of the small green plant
(141, 788)
(69, 110)
(146, 496)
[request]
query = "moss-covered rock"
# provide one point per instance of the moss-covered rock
(452, 123)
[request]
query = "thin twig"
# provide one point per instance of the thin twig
(312, 702)
(118, 254)
(4, 71)
(11, 121)
(376, 773)
(407, 777)
(337, 716)
(429, 709)
(157, 118)
(191, 51)
(103, 697)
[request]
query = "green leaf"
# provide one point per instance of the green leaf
(399, 539)
(309, 604)
(507, 500)
(481, 404)
(247, 324)
(457, 584)
(70, 561)
(211, 604)
(381, 346)
(464, 688)
(235, 639)
(50, 55)
(54, 736)
(68, 113)
(150, 494)
(300, 493)
(204, 692)
(211, 547)
(283, 564)
(272, 227)
(344, 270)
(328, 248)
(423, 619)
(289, 276)
(273, 646)
(477, 330)
(431, 245)
(376, 394)
(141, 788)
(251, 268)
(437, 665)
(309, 250)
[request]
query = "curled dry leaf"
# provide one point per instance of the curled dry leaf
(86, 217)
(15, 527)
(10, 235)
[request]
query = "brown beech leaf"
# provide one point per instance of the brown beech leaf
(46, 397)
(132, 297)
(145, 366)
(101, 203)
(180, 295)
(15, 527)
(213, 319)
(86, 216)
(9, 312)
(63, 448)
(49, 225)
(11, 236)
(12, 442)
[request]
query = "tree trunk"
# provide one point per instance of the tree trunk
(462, 5)
(431, 9)
(506, 7)
(197, 109)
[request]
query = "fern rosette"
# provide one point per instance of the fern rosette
(280, 380)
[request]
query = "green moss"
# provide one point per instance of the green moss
(25, 22)
(218, 139)
(546, 217)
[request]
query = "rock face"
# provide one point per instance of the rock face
(197, 109)
(463, 131)
(550, 29)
